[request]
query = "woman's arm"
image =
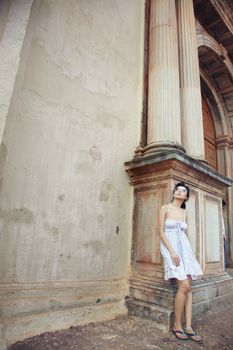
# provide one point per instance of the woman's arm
(162, 216)
(187, 222)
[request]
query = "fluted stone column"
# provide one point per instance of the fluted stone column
(164, 95)
(191, 105)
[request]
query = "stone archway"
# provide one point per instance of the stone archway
(217, 90)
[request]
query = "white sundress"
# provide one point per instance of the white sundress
(174, 231)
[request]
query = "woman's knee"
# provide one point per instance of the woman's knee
(185, 287)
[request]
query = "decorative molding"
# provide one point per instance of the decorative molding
(205, 39)
(224, 141)
(150, 164)
(225, 12)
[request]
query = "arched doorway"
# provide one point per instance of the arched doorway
(209, 136)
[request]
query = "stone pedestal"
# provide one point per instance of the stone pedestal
(153, 178)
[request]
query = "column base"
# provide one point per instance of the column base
(203, 161)
(210, 293)
(158, 147)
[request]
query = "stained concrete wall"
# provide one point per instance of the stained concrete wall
(14, 17)
(65, 198)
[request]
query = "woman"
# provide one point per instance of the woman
(179, 260)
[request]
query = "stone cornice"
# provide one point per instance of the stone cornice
(224, 141)
(152, 162)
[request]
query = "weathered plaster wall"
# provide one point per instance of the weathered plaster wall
(14, 17)
(65, 211)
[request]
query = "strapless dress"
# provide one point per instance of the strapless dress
(174, 231)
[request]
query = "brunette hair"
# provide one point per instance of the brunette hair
(183, 205)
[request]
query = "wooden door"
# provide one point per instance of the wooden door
(209, 135)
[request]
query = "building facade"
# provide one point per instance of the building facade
(104, 106)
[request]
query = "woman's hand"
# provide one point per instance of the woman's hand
(175, 259)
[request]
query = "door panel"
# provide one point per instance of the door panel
(209, 135)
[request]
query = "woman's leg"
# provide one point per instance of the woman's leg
(188, 305)
(188, 312)
(183, 289)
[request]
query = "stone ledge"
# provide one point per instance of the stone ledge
(19, 328)
(161, 316)
(176, 155)
(213, 293)
(163, 296)
(28, 309)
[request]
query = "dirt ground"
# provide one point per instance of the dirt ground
(126, 333)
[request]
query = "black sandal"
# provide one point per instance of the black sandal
(194, 334)
(179, 332)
